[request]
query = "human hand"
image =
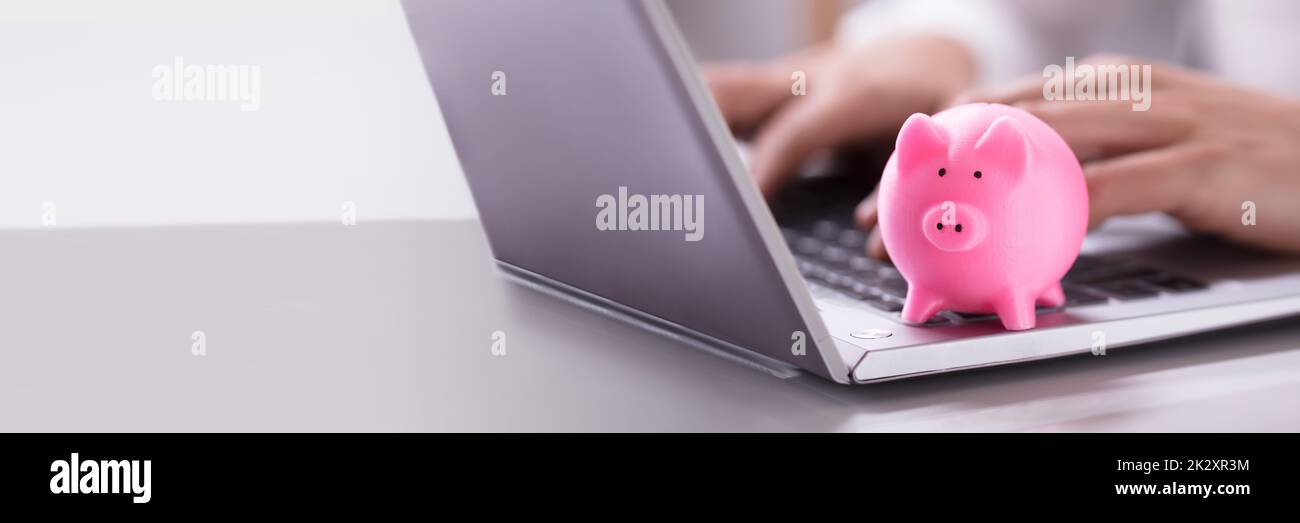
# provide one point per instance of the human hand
(1204, 152)
(853, 94)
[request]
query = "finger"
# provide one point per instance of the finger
(792, 135)
(864, 216)
(745, 93)
(1103, 129)
(1148, 181)
(876, 245)
(811, 124)
(749, 92)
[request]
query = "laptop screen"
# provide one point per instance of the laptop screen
(590, 166)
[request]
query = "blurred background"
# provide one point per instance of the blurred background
(346, 114)
(755, 29)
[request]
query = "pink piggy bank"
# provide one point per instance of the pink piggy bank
(983, 209)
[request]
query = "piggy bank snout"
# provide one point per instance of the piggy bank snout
(954, 226)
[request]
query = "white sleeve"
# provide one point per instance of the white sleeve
(995, 32)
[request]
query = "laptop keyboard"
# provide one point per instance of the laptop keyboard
(832, 255)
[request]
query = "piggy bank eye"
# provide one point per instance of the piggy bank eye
(942, 171)
(979, 174)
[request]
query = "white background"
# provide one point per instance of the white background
(346, 115)
(346, 112)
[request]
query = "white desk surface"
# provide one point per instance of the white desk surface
(386, 326)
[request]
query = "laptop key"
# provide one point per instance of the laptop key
(863, 264)
(1126, 290)
(1111, 273)
(1084, 263)
(1079, 296)
(839, 281)
(809, 245)
(814, 271)
(825, 229)
(835, 255)
(894, 287)
(863, 290)
(888, 271)
(1177, 284)
(852, 239)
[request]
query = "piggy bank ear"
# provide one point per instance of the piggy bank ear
(1005, 143)
(921, 144)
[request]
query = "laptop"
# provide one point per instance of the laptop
(604, 174)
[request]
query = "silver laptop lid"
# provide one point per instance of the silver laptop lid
(579, 124)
